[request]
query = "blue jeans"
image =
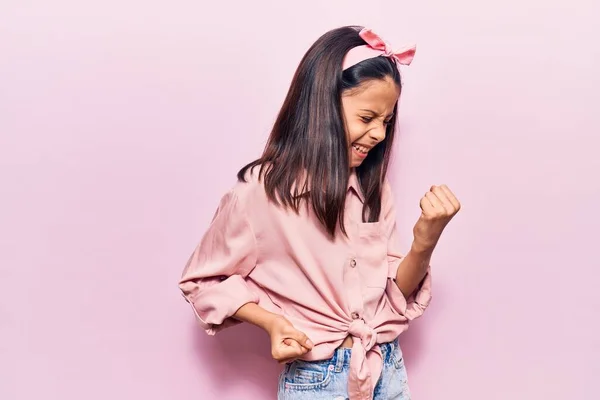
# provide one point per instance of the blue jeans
(328, 379)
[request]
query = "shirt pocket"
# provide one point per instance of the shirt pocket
(371, 248)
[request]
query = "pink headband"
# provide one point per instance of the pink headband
(376, 47)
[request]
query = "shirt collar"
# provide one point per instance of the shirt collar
(353, 185)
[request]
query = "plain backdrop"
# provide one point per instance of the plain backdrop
(122, 123)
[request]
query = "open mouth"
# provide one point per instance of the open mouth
(359, 150)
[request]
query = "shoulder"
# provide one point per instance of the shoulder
(235, 204)
(247, 193)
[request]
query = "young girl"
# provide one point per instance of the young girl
(305, 244)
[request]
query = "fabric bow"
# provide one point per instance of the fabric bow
(377, 46)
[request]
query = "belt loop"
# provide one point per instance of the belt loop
(339, 362)
(290, 369)
(387, 349)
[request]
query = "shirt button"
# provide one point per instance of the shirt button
(353, 263)
(354, 315)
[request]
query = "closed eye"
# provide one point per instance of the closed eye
(368, 120)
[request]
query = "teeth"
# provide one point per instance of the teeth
(360, 149)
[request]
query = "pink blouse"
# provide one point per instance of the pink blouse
(255, 251)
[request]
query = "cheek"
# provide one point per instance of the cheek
(355, 131)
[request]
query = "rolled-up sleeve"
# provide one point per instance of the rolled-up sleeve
(214, 279)
(413, 306)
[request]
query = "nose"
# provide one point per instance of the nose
(378, 132)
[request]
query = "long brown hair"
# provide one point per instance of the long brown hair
(308, 143)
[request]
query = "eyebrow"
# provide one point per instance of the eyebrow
(374, 113)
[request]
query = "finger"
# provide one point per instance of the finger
(435, 201)
(293, 343)
(451, 197)
(441, 195)
(287, 352)
(301, 338)
(296, 346)
(292, 352)
(295, 349)
(426, 206)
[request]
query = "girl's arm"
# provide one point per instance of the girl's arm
(438, 206)
(412, 269)
(255, 315)
(287, 343)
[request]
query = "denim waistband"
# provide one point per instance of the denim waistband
(341, 356)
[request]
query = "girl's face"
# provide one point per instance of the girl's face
(367, 110)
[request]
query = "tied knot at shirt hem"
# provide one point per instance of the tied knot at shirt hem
(366, 361)
(360, 330)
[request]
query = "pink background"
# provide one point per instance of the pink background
(123, 122)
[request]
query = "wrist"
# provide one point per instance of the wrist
(255, 315)
(267, 321)
(422, 249)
